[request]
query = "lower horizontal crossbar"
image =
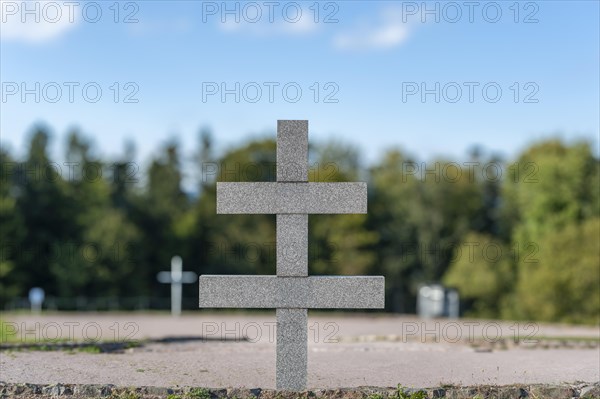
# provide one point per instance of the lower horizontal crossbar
(313, 292)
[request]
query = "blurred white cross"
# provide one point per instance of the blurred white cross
(176, 277)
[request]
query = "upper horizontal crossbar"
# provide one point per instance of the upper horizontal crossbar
(300, 198)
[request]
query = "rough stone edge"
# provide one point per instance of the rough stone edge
(81, 391)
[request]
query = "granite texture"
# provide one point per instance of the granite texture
(292, 245)
(292, 198)
(313, 292)
(292, 349)
(292, 151)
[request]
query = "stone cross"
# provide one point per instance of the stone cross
(292, 291)
(176, 277)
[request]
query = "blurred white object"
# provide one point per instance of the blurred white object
(437, 301)
(176, 277)
(36, 298)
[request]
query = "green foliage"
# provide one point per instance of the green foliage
(90, 349)
(553, 213)
(6, 334)
(563, 284)
(482, 272)
(339, 244)
(420, 217)
(550, 186)
(402, 394)
(125, 395)
(104, 229)
(198, 393)
(11, 231)
(233, 244)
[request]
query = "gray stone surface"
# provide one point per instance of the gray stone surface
(292, 349)
(292, 245)
(301, 198)
(292, 291)
(292, 151)
(313, 292)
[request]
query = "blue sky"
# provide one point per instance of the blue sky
(372, 57)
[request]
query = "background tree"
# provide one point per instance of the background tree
(482, 271)
(48, 214)
(156, 213)
(239, 244)
(422, 211)
(12, 231)
(563, 284)
(339, 244)
(518, 240)
(554, 187)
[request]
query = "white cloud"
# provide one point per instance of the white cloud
(388, 32)
(53, 21)
(304, 25)
(264, 29)
(181, 25)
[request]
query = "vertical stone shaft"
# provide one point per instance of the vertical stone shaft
(292, 151)
(176, 277)
(292, 350)
(292, 257)
(292, 229)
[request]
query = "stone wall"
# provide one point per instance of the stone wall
(81, 391)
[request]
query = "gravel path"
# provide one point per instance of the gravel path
(343, 352)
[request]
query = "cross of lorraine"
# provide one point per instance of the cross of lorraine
(292, 291)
